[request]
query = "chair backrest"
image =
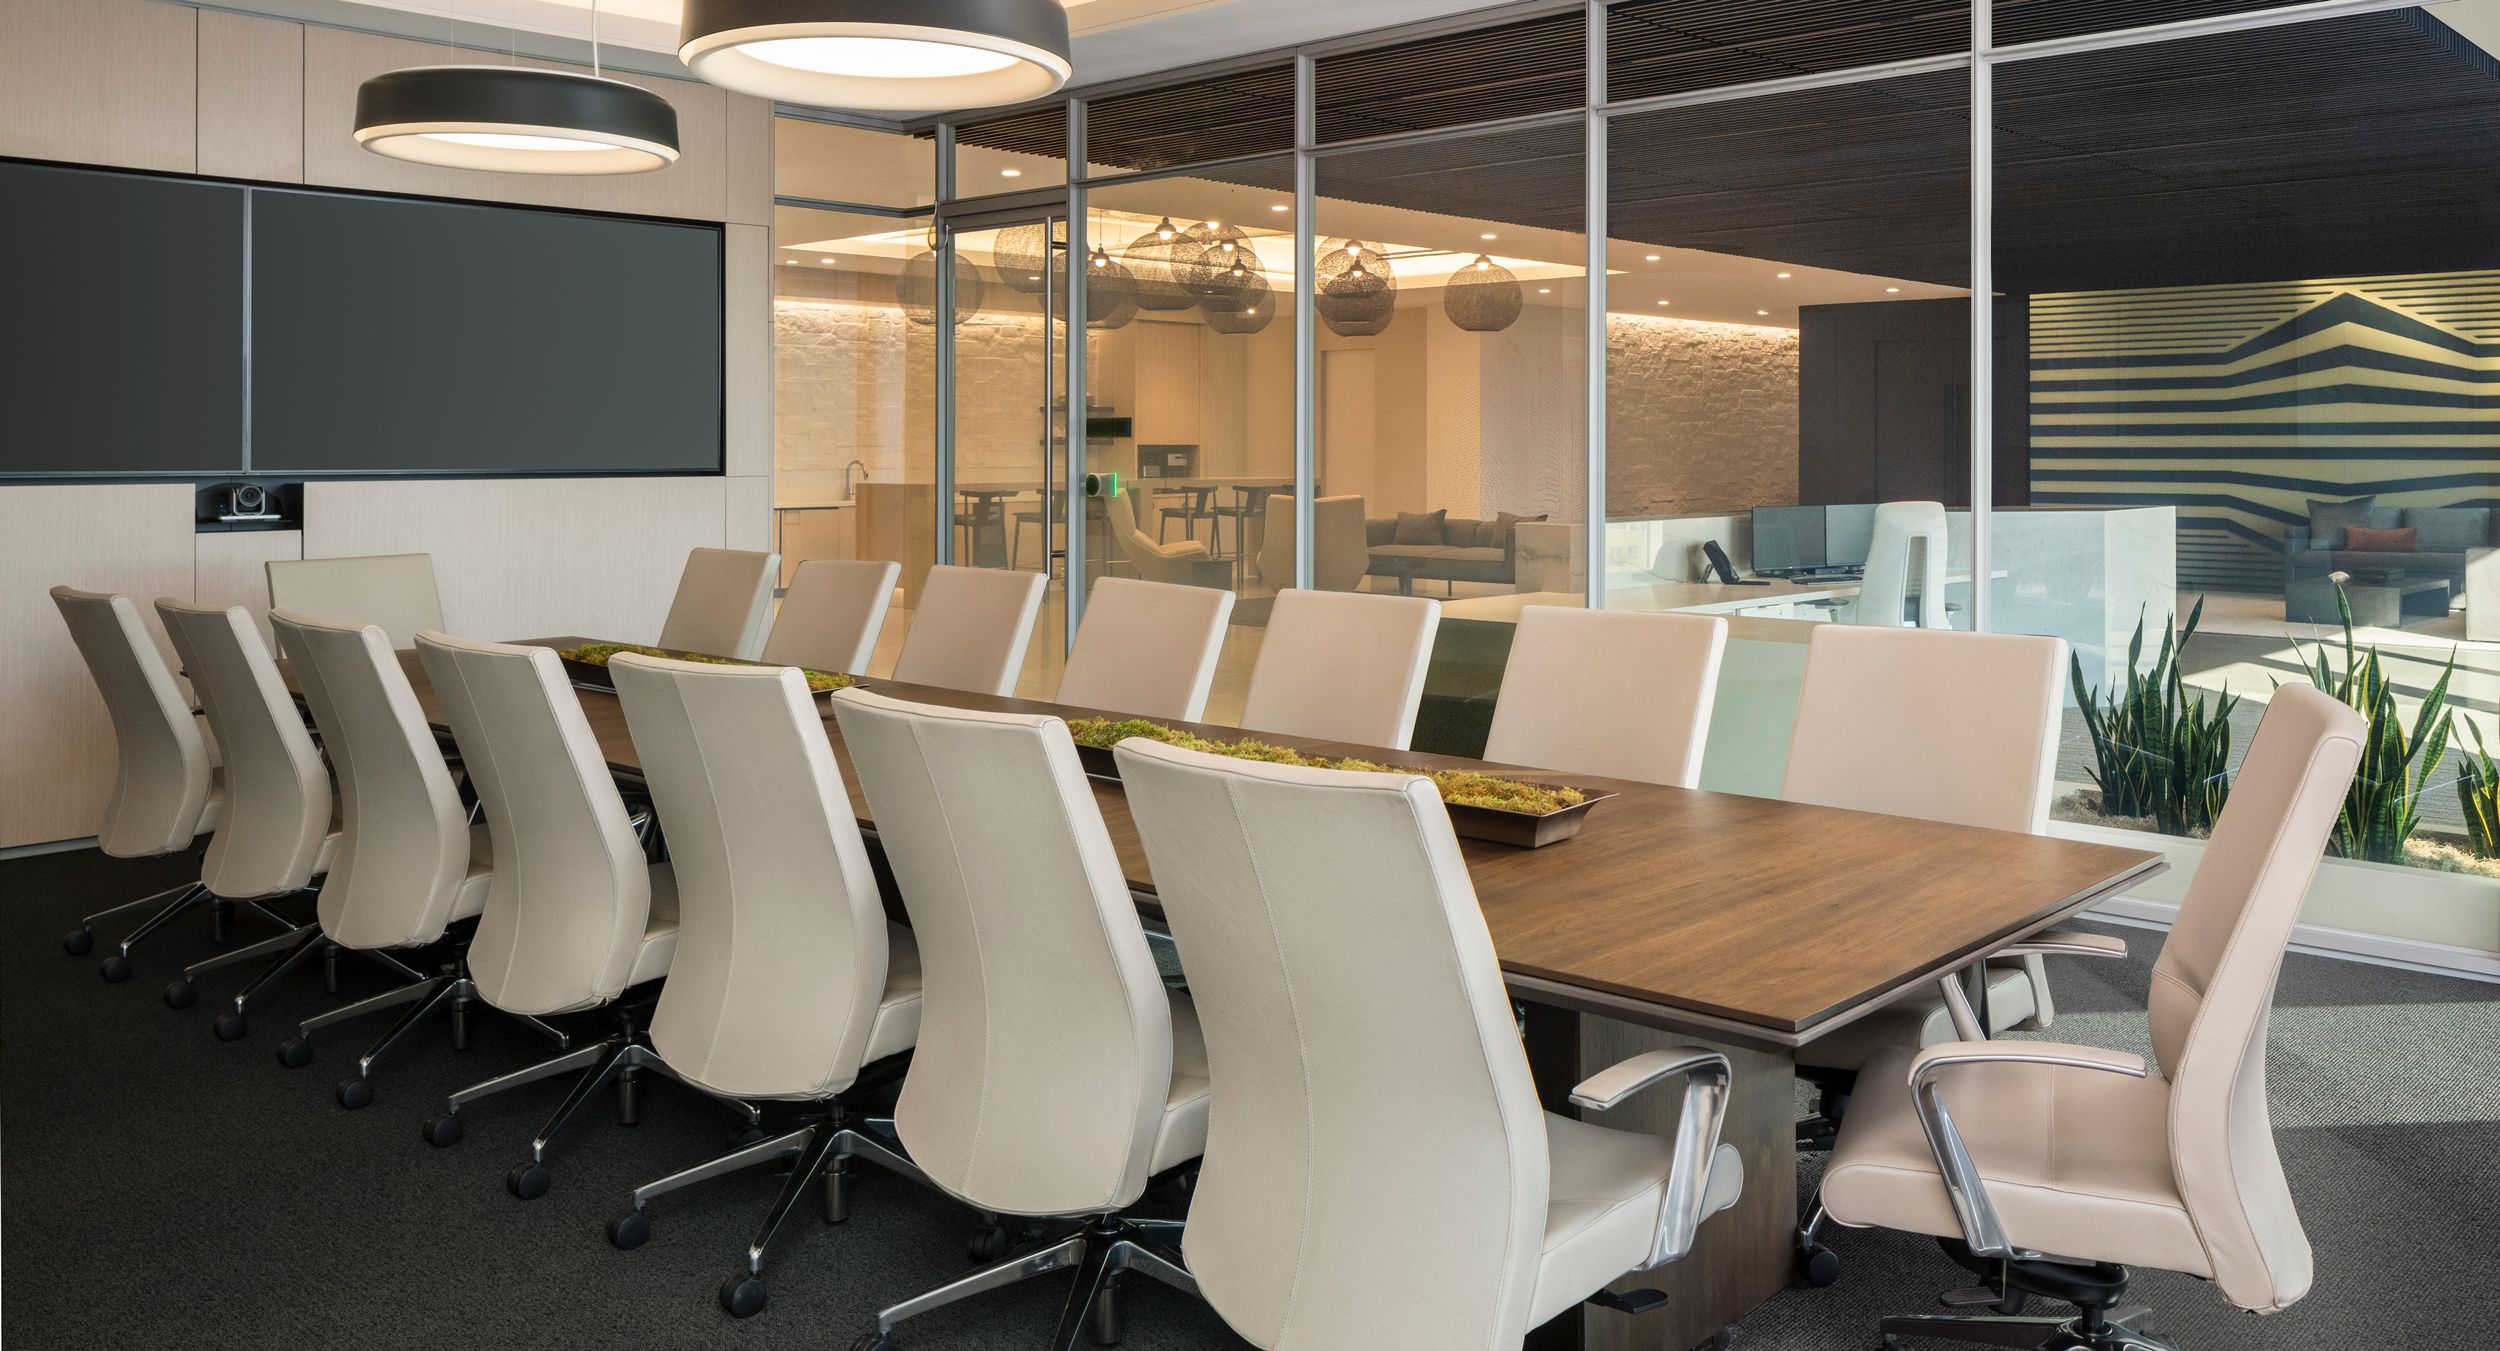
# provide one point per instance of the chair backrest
(781, 938)
(1147, 648)
(1375, 1170)
(277, 809)
(2213, 991)
(1623, 694)
(393, 591)
(1958, 727)
(724, 599)
(1045, 1053)
(831, 614)
(1342, 666)
(1153, 561)
(1883, 597)
(970, 630)
(403, 848)
(161, 770)
(571, 893)
(1341, 552)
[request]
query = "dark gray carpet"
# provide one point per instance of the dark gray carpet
(163, 1189)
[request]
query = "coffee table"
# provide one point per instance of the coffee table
(2382, 603)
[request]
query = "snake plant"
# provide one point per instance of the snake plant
(2478, 792)
(2158, 749)
(2384, 803)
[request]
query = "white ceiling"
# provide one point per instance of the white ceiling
(1115, 39)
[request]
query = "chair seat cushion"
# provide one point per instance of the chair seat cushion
(659, 932)
(1919, 1019)
(897, 1028)
(1183, 1134)
(2076, 1161)
(1601, 1209)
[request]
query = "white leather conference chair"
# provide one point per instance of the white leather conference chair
(789, 983)
(166, 794)
(831, 614)
(1622, 694)
(1958, 727)
(1147, 649)
(1378, 1172)
(971, 629)
(393, 591)
(2070, 1164)
(1342, 666)
(575, 916)
(724, 599)
(1883, 595)
(276, 835)
(1339, 554)
(409, 863)
(1153, 560)
(1055, 1076)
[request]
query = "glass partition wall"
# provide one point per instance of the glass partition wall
(2238, 307)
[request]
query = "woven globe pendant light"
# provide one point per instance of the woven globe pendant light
(917, 289)
(517, 119)
(1022, 254)
(1482, 297)
(1356, 292)
(1157, 259)
(879, 55)
(1241, 300)
(1220, 246)
(1110, 291)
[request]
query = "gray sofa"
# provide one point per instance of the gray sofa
(2442, 538)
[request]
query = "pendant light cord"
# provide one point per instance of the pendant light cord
(595, 72)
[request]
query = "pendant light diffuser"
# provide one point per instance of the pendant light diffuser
(880, 55)
(515, 120)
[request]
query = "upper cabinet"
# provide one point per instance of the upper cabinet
(100, 82)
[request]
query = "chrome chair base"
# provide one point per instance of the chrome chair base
(1107, 1248)
(2030, 1334)
(618, 1060)
(188, 897)
(298, 944)
(449, 991)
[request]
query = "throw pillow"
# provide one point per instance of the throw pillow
(1419, 527)
(2361, 539)
(2328, 519)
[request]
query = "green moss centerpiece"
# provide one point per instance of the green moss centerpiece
(1482, 807)
(588, 663)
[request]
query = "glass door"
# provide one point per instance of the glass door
(1007, 498)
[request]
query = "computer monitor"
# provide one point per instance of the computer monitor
(1787, 539)
(1848, 532)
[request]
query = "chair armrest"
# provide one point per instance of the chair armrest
(1981, 1228)
(2066, 943)
(1697, 1152)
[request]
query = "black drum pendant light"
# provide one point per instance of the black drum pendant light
(517, 120)
(880, 55)
(1482, 297)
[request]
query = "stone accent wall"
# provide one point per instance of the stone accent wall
(1700, 417)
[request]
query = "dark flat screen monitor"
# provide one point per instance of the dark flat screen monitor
(429, 337)
(1811, 539)
(1847, 532)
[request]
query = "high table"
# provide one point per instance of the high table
(1676, 916)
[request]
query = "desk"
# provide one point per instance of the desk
(1677, 916)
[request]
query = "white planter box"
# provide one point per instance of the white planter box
(2414, 917)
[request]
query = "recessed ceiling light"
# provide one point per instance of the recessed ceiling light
(826, 261)
(1653, 258)
(1662, 302)
(1545, 290)
(1785, 276)
(1892, 290)
(1011, 173)
(1486, 236)
(1280, 206)
(1764, 313)
(879, 57)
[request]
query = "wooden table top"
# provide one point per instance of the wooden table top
(1738, 917)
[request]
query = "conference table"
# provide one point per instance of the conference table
(1675, 917)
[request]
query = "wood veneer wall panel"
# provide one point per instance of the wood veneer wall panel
(749, 131)
(231, 568)
(251, 95)
(100, 82)
(336, 62)
(56, 746)
(750, 513)
(747, 349)
(524, 558)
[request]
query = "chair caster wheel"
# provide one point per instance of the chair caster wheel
(742, 1295)
(230, 1026)
(295, 1053)
(180, 995)
(1819, 1265)
(986, 1244)
(1720, 1340)
(354, 1093)
(752, 1135)
(78, 942)
(115, 969)
(630, 1230)
(875, 1341)
(528, 1181)
(442, 1132)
